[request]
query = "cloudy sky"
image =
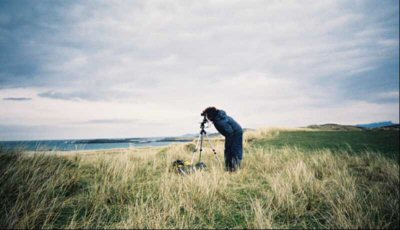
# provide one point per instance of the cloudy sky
(90, 69)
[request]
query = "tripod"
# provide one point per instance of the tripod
(199, 145)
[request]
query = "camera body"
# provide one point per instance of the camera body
(204, 122)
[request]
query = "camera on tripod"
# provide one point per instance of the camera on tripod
(203, 136)
(185, 167)
(204, 122)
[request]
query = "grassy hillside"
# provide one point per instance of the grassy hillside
(335, 127)
(279, 186)
(385, 142)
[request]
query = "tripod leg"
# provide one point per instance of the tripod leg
(213, 149)
(195, 150)
(201, 145)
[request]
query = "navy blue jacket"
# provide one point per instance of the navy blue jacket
(226, 125)
(233, 135)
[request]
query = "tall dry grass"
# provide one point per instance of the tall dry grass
(276, 188)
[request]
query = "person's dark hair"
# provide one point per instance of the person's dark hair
(210, 112)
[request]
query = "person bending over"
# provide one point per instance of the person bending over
(233, 134)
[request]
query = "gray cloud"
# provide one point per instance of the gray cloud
(17, 99)
(258, 59)
(77, 46)
(25, 33)
(67, 96)
(112, 121)
(90, 94)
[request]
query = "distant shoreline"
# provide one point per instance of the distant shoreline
(90, 145)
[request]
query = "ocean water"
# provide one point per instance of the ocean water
(90, 144)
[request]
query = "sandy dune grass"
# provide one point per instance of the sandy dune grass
(276, 188)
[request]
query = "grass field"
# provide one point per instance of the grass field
(385, 142)
(289, 179)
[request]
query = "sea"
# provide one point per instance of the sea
(88, 144)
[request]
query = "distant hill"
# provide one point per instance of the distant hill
(376, 124)
(335, 127)
(373, 126)
(389, 127)
(189, 135)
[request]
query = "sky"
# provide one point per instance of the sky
(114, 69)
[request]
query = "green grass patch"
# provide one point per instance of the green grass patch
(386, 142)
